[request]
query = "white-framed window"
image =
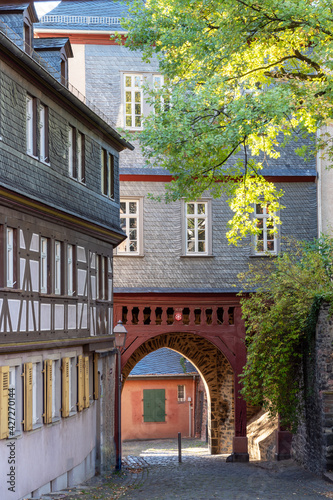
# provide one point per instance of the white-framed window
(131, 224)
(55, 389)
(44, 133)
(14, 401)
(102, 277)
(181, 393)
(36, 394)
(107, 173)
(164, 101)
(43, 265)
(72, 385)
(133, 101)
(57, 267)
(196, 228)
(81, 177)
(76, 155)
(266, 238)
(70, 270)
(71, 149)
(10, 281)
(31, 125)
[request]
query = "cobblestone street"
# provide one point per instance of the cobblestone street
(151, 472)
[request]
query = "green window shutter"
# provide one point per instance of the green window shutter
(154, 405)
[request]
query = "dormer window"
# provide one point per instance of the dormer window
(64, 71)
(27, 37)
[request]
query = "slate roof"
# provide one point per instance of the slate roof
(86, 15)
(50, 43)
(20, 7)
(162, 362)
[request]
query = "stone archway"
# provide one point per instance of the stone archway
(217, 374)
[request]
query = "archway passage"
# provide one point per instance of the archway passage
(217, 374)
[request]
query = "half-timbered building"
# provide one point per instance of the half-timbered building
(59, 225)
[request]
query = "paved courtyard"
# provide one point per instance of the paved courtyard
(151, 471)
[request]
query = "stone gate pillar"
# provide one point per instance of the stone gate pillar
(240, 445)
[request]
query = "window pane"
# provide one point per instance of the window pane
(128, 97)
(259, 209)
(128, 121)
(137, 81)
(128, 82)
(138, 109)
(201, 208)
(270, 246)
(201, 235)
(260, 246)
(138, 97)
(138, 121)
(132, 234)
(133, 246)
(201, 246)
(132, 207)
(122, 207)
(260, 223)
(190, 208)
(190, 223)
(133, 223)
(128, 108)
(201, 223)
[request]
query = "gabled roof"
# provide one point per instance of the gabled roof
(53, 44)
(17, 6)
(163, 362)
(98, 15)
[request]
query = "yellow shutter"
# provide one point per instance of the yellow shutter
(27, 422)
(65, 388)
(48, 365)
(96, 391)
(80, 383)
(86, 382)
(4, 386)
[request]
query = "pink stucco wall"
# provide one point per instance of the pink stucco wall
(177, 413)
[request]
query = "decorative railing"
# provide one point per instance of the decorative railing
(109, 21)
(191, 316)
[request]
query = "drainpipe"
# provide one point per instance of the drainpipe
(189, 418)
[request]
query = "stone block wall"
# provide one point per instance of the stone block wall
(312, 446)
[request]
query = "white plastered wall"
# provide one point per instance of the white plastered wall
(325, 189)
(77, 68)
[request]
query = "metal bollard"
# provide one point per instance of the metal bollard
(179, 447)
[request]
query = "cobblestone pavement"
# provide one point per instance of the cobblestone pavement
(151, 471)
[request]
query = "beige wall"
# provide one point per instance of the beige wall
(76, 68)
(325, 190)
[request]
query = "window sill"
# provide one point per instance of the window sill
(32, 156)
(47, 163)
(11, 290)
(17, 435)
(36, 428)
(55, 421)
(201, 256)
(136, 255)
(77, 180)
(263, 255)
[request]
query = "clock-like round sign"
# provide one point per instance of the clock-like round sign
(178, 316)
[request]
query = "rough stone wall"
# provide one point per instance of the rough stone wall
(217, 373)
(163, 264)
(313, 444)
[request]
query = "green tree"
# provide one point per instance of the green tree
(280, 320)
(246, 76)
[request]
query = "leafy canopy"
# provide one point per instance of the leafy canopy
(280, 324)
(245, 75)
